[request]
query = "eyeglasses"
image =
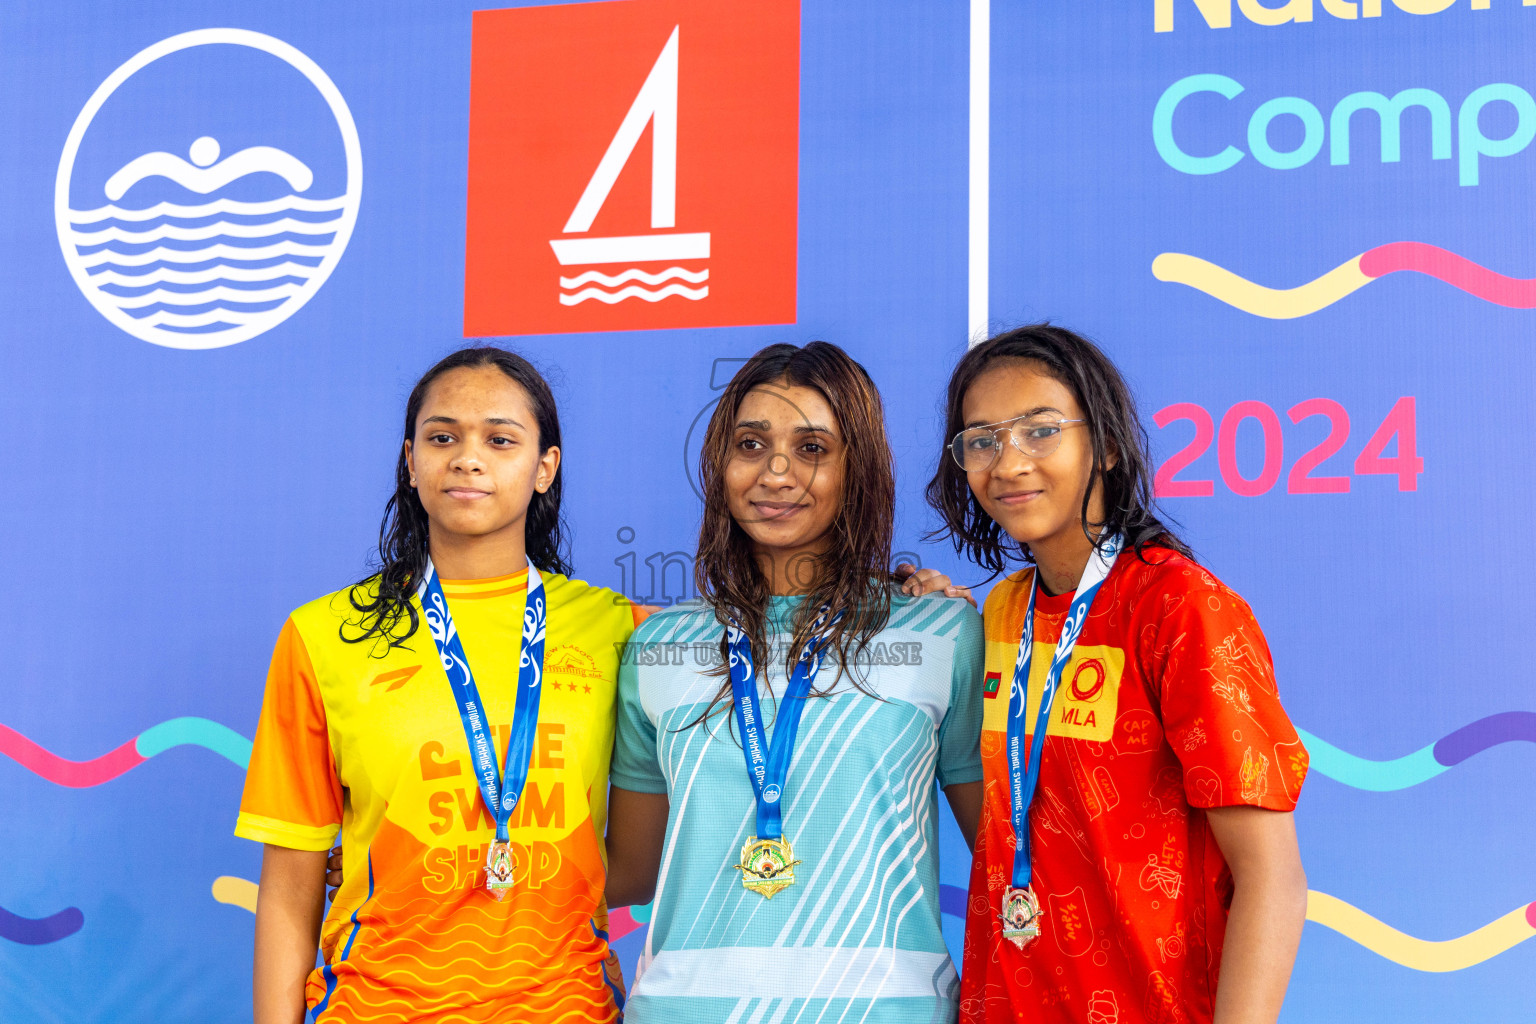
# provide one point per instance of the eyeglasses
(977, 448)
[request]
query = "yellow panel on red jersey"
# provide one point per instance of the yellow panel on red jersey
(1086, 703)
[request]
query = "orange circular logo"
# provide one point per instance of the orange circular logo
(1095, 685)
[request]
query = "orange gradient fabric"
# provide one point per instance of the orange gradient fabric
(368, 738)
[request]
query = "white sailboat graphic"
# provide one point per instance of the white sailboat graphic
(655, 104)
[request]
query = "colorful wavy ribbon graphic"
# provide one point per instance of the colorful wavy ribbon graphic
(627, 919)
(1339, 765)
(236, 892)
(1495, 937)
(1457, 954)
(1348, 277)
(1425, 763)
(178, 732)
(40, 931)
(1412, 769)
(1498, 936)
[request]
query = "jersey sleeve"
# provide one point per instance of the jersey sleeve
(292, 794)
(960, 732)
(635, 766)
(1220, 702)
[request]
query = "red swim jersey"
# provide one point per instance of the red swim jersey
(1168, 707)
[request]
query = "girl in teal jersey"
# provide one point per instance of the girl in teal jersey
(794, 880)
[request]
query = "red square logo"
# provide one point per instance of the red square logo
(633, 165)
(991, 685)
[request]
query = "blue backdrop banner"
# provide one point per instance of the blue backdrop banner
(237, 234)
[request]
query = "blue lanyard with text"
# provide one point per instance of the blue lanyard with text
(1022, 782)
(500, 795)
(768, 765)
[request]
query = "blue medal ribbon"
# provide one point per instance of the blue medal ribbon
(768, 765)
(500, 795)
(1021, 780)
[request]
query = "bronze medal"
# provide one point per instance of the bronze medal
(500, 866)
(1021, 916)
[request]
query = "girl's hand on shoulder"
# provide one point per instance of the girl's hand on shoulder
(333, 871)
(916, 582)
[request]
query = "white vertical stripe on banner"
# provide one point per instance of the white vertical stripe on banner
(981, 175)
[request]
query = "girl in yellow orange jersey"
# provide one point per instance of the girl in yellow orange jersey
(361, 730)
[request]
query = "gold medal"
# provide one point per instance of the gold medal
(767, 865)
(1021, 916)
(500, 866)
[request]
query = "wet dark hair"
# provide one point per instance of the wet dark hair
(384, 597)
(1107, 404)
(853, 577)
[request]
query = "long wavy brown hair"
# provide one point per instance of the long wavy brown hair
(853, 577)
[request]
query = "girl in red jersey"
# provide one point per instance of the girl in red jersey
(1141, 847)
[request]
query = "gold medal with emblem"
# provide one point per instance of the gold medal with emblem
(767, 866)
(1021, 916)
(500, 866)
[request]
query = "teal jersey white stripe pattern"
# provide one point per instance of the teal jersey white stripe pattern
(857, 937)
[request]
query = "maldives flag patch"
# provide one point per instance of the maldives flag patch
(991, 685)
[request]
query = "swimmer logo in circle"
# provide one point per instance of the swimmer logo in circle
(205, 201)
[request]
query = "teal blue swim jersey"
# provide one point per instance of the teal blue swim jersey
(857, 937)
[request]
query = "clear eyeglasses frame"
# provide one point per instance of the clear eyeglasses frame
(976, 448)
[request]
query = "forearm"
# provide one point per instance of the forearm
(965, 803)
(289, 906)
(637, 826)
(1264, 926)
(629, 884)
(625, 887)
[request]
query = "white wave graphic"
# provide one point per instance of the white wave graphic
(635, 274)
(163, 318)
(160, 254)
(217, 206)
(286, 225)
(116, 268)
(219, 293)
(165, 275)
(221, 280)
(634, 292)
